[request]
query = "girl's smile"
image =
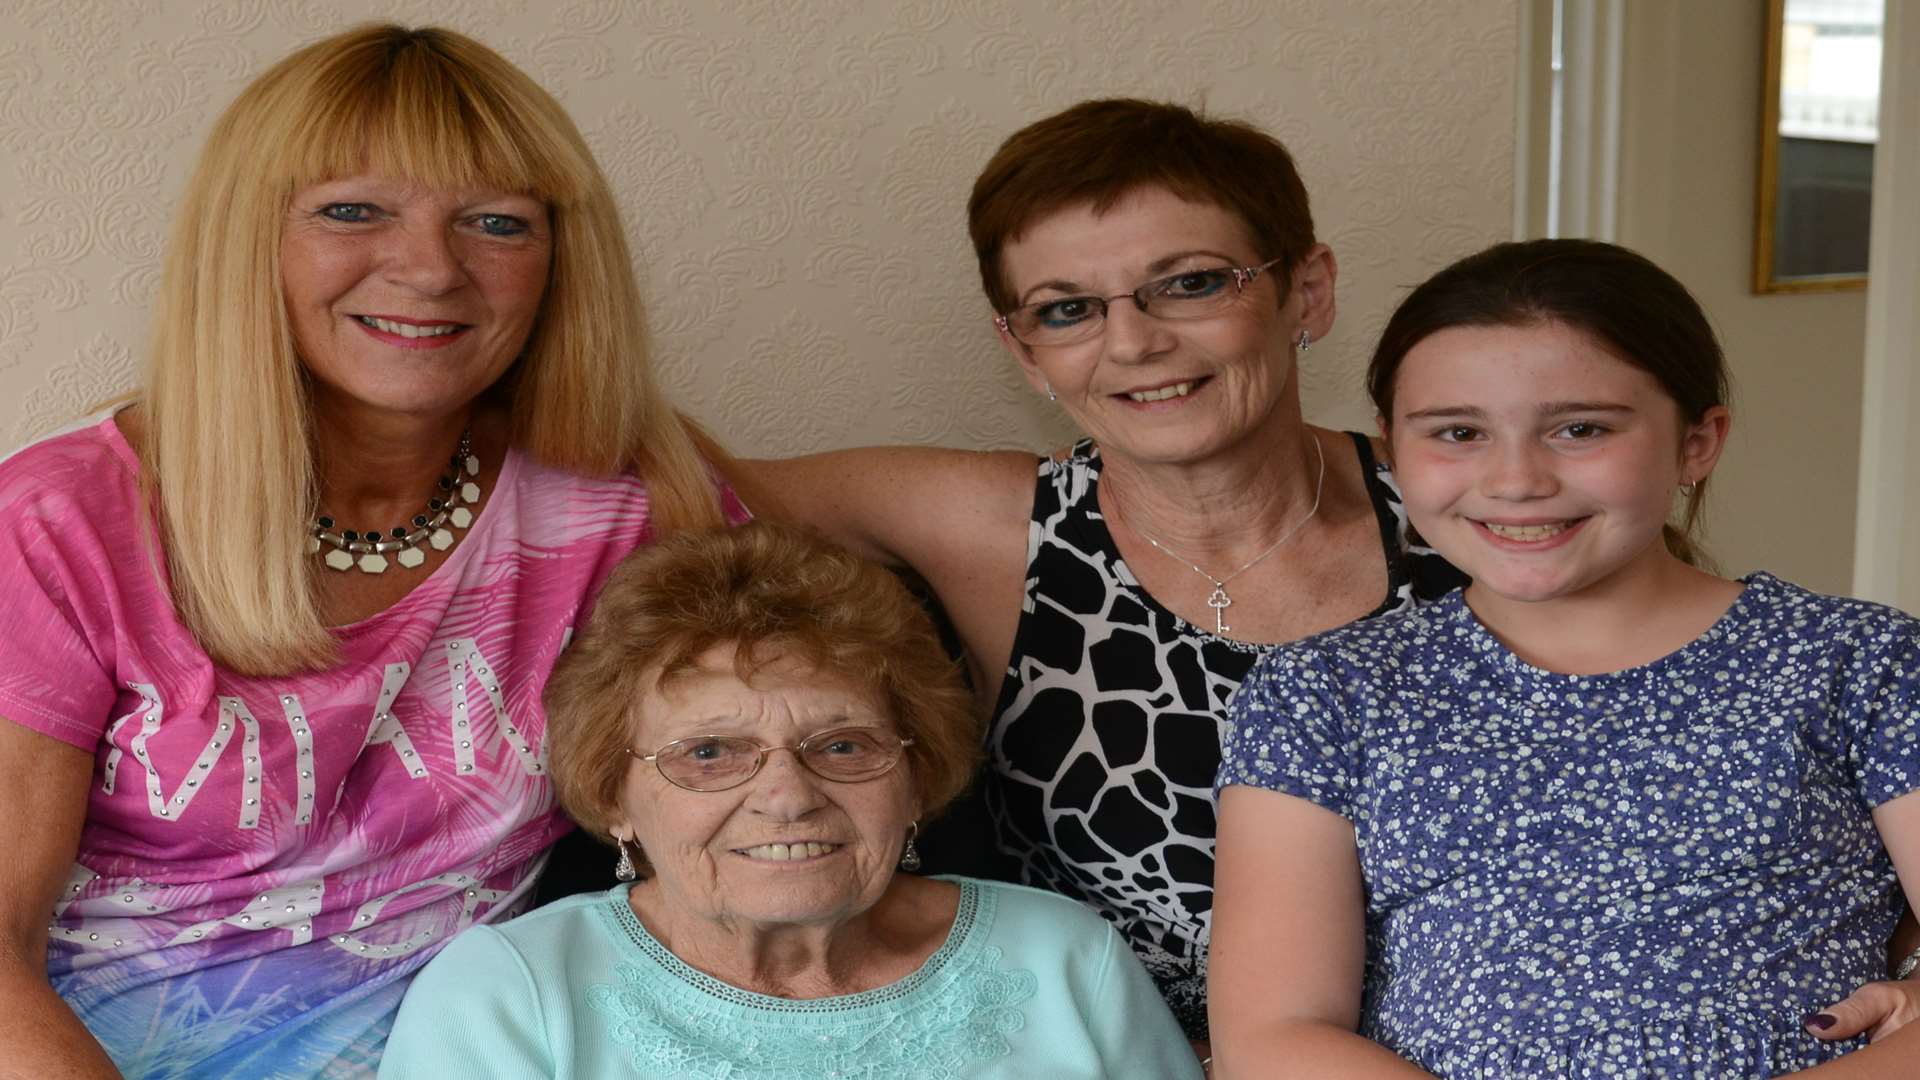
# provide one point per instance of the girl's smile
(1531, 536)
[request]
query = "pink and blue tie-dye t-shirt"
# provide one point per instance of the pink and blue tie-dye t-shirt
(266, 861)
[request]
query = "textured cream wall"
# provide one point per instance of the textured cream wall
(1784, 495)
(793, 174)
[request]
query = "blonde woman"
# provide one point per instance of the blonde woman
(278, 631)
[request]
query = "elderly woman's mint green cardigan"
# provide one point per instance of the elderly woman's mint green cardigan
(1028, 984)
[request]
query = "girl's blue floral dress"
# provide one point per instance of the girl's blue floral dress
(1650, 873)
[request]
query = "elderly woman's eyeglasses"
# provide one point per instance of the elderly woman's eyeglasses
(1190, 294)
(717, 762)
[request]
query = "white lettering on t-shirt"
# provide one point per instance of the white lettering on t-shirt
(149, 704)
(386, 728)
(296, 715)
(290, 908)
(77, 878)
(465, 664)
(86, 934)
(112, 918)
(296, 721)
(233, 711)
(471, 897)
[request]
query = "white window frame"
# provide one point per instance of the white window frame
(1886, 552)
(1567, 117)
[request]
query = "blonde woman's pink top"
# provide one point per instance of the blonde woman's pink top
(267, 861)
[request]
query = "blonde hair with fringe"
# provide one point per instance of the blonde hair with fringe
(227, 440)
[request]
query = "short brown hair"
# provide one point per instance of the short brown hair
(771, 591)
(1099, 151)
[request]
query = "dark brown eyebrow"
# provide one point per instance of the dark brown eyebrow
(1154, 270)
(1058, 285)
(1166, 262)
(1545, 408)
(1448, 412)
(1560, 408)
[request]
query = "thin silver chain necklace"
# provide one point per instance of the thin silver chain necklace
(1218, 600)
(458, 489)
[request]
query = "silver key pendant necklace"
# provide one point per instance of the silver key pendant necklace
(1218, 600)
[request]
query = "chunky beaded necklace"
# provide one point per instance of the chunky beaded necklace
(450, 504)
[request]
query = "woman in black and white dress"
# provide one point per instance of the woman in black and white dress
(1156, 274)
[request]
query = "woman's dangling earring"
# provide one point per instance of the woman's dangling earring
(1306, 341)
(1051, 396)
(910, 855)
(1688, 489)
(623, 867)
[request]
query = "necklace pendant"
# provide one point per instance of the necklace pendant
(1219, 601)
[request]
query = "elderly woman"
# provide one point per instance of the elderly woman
(1155, 273)
(759, 722)
(277, 632)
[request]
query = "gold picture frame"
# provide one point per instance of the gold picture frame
(1767, 275)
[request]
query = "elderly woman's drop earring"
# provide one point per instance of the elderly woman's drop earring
(1051, 396)
(910, 855)
(623, 867)
(1306, 341)
(1687, 489)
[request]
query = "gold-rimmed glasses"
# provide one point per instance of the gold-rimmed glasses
(1189, 294)
(845, 755)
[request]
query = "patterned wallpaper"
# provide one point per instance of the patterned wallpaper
(793, 174)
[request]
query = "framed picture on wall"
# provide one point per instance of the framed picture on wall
(1819, 124)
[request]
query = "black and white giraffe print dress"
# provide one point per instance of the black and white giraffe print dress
(1107, 733)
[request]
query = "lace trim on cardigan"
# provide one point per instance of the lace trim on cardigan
(942, 1033)
(963, 922)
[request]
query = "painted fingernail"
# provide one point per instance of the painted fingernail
(1819, 1021)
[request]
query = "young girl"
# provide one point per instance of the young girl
(1602, 813)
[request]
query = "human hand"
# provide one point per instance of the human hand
(1878, 1009)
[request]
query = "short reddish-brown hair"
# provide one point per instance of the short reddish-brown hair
(771, 591)
(1099, 151)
